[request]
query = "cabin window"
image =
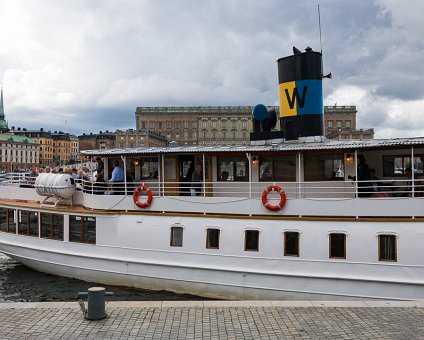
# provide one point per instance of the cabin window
(251, 240)
(396, 165)
(212, 238)
(291, 243)
(82, 229)
(337, 246)
(323, 167)
(176, 236)
(149, 168)
(51, 226)
(28, 223)
(236, 167)
(387, 248)
(7, 220)
(278, 169)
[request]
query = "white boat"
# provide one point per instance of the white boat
(324, 243)
(277, 220)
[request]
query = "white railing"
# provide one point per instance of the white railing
(293, 190)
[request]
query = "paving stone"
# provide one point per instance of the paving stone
(217, 321)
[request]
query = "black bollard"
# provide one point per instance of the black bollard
(96, 303)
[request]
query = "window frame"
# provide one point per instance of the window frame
(83, 228)
(172, 239)
(254, 231)
(297, 243)
(208, 231)
(394, 236)
(330, 245)
(52, 226)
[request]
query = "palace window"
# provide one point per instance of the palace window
(237, 168)
(251, 240)
(82, 229)
(339, 124)
(387, 248)
(176, 237)
(337, 245)
(347, 124)
(7, 220)
(330, 123)
(291, 243)
(212, 238)
(51, 226)
(194, 125)
(277, 169)
(28, 223)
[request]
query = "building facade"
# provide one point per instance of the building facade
(231, 125)
(61, 148)
(340, 123)
(198, 125)
(139, 138)
(18, 152)
(44, 140)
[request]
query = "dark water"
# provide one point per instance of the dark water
(19, 283)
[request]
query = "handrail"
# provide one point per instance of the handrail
(309, 189)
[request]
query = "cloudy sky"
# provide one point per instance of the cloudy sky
(85, 65)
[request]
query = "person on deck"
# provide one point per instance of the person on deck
(196, 179)
(117, 177)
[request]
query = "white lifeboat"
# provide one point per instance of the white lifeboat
(55, 185)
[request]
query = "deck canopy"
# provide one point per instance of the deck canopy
(292, 146)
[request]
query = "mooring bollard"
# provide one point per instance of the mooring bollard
(96, 303)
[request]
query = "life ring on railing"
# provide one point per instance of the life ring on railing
(149, 196)
(274, 207)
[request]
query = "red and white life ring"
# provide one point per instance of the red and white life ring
(149, 193)
(274, 207)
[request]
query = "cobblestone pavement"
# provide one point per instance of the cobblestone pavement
(216, 320)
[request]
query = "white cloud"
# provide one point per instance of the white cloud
(82, 61)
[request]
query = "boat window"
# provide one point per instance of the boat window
(212, 238)
(236, 167)
(291, 243)
(324, 167)
(251, 240)
(7, 220)
(278, 169)
(51, 226)
(149, 168)
(28, 223)
(387, 248)
(337, 246)
(396, 165)
(82, 229)
(176, 237)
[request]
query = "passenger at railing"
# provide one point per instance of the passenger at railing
(407, 191)
(224, 176)
(30, 180)
(196, 179)
(48, 169)
(376, 185)
(100, 186)
(100, 165)
(117, 179)
(60, 171)
(364, 189)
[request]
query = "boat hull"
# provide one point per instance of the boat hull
(215, 276)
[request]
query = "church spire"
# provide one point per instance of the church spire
(3, 123)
